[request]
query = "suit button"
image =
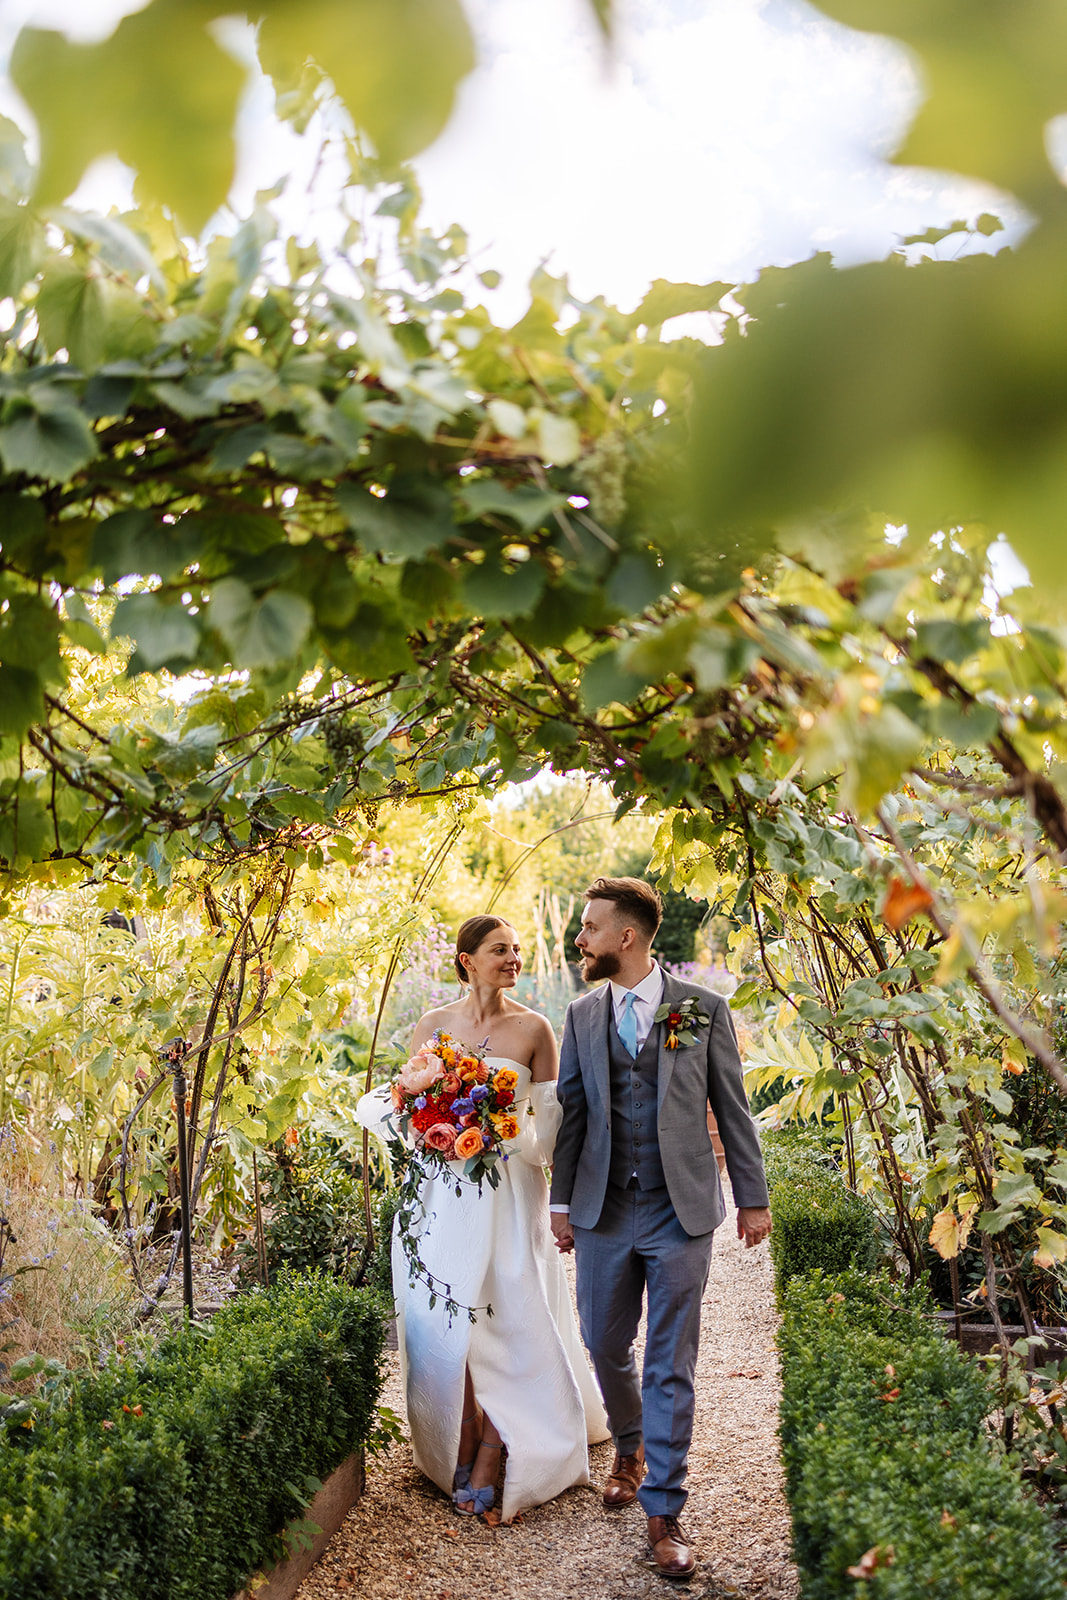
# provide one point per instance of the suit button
(637, 1124)
(637, 1107)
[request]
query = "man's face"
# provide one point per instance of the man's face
(601, 940)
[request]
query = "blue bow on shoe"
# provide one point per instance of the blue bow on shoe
(474, 1502)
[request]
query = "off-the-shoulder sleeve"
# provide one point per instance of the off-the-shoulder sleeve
(372, 1110)
(539, 1117)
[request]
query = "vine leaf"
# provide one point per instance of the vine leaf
(395, 63)
(904, 901)
(47, 440)
(260, 633)
(994, 76)
(160, 93)
(22, 246)
(160, 632)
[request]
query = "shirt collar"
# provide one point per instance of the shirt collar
(649, 989)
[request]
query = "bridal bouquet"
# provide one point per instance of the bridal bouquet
(456, 1108)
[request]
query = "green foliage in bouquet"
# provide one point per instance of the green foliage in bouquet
(893, 1487)
(175, 1476)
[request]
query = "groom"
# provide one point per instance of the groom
(636, 1191)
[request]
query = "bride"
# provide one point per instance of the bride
(517, 1380)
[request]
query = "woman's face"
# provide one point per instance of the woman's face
(498, 959)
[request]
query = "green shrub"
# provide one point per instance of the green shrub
(312, 1197)
(884, 1449)
(174, 1476)
(380, 1268)
(818, 1221)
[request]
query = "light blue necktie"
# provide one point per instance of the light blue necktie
(628, 1023)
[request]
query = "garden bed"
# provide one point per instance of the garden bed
(894, 1486)
(174, 1476)
(322, 1519)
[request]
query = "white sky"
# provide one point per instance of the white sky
(725, 135)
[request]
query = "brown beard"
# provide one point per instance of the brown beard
(595, 967)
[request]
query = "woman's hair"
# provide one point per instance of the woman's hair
(471, 935)
(633, 899)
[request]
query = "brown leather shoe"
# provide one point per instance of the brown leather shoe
(624, 1479)
(670, 1548)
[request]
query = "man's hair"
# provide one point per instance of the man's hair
(633, 900)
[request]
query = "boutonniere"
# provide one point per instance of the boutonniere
(682, 1020)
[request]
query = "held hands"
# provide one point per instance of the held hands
(562, 1231)
(753, 1224)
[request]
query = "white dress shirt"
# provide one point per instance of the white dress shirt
(647, 996)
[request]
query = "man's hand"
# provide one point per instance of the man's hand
(562, 1231)
(753, 1224)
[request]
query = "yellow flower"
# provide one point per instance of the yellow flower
(505, 1125)
(505, 1078)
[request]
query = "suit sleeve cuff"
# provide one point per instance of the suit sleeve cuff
(564, 1211)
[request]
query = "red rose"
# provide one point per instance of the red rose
(504, 1097)
(674, 1019)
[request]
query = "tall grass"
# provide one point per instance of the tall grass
(76, 1301)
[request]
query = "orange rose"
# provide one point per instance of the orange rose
(396, 1095)
(506, 1126)
(505, 1078)
(468, 1144)
(481, 1072)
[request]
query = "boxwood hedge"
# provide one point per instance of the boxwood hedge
(818, 1220)
(172, 1477)
(887, 1457)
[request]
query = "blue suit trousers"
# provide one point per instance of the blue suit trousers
(639, 1245)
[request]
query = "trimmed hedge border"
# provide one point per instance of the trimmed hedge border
(175, 1476)
(819, 1222)
(886, 1456)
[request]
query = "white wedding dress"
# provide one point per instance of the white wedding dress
(527, 1363)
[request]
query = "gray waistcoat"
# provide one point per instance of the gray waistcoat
(634, 1131)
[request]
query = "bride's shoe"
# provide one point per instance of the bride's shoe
(462, 1477)
(476, 1502)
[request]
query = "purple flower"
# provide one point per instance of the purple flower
(420, 1101)
(479, 1092)
(463, 1107)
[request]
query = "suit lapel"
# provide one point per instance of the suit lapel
(597, 1014)
(673, 992)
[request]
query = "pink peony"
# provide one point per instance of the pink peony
(441, 1137)
(422, 1070)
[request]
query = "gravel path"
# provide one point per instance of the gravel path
(403, 1541)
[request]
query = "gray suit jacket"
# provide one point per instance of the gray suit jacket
(689, 1078)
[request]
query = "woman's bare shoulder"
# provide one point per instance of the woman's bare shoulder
(430, 1021)
(535, 1021)
(539, 1040)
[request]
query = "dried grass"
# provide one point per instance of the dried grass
(77, 1299)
